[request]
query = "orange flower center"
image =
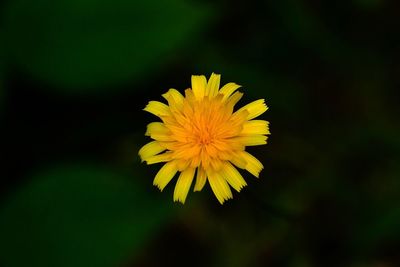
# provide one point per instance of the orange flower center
(204, 130)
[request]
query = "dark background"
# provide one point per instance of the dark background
(75, 75)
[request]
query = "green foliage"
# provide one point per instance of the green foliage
(75, 216)
(328, 195)
(82, 45)
(308, 30)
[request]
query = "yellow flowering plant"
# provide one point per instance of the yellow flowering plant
(201, 135)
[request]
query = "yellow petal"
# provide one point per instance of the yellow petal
(195, 161)
(162, 137)
(228, 89)
(205, 159)
(174, 98)
(157, 108)
(238, 160)
(251, 140)
(183, 185)
(199, 83)
(150, 149)
(239, 117)
(231, 102)
(255, 127)
(167, 156)
(232, 176)
(187, 151)
(219, 186)
(200, 179)
(253, 166)
(165, 175)
(182, 164)
(255, 108)
(190, 96)
(213, 85)
(215, 164)
(159, 132)
(234, 144)
(187, 107)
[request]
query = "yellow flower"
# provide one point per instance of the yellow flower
(201, 133)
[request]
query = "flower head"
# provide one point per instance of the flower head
(201, 134)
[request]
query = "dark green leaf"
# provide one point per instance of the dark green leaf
(85, 44)
(77, 216)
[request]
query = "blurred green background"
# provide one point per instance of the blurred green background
(75, 75)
